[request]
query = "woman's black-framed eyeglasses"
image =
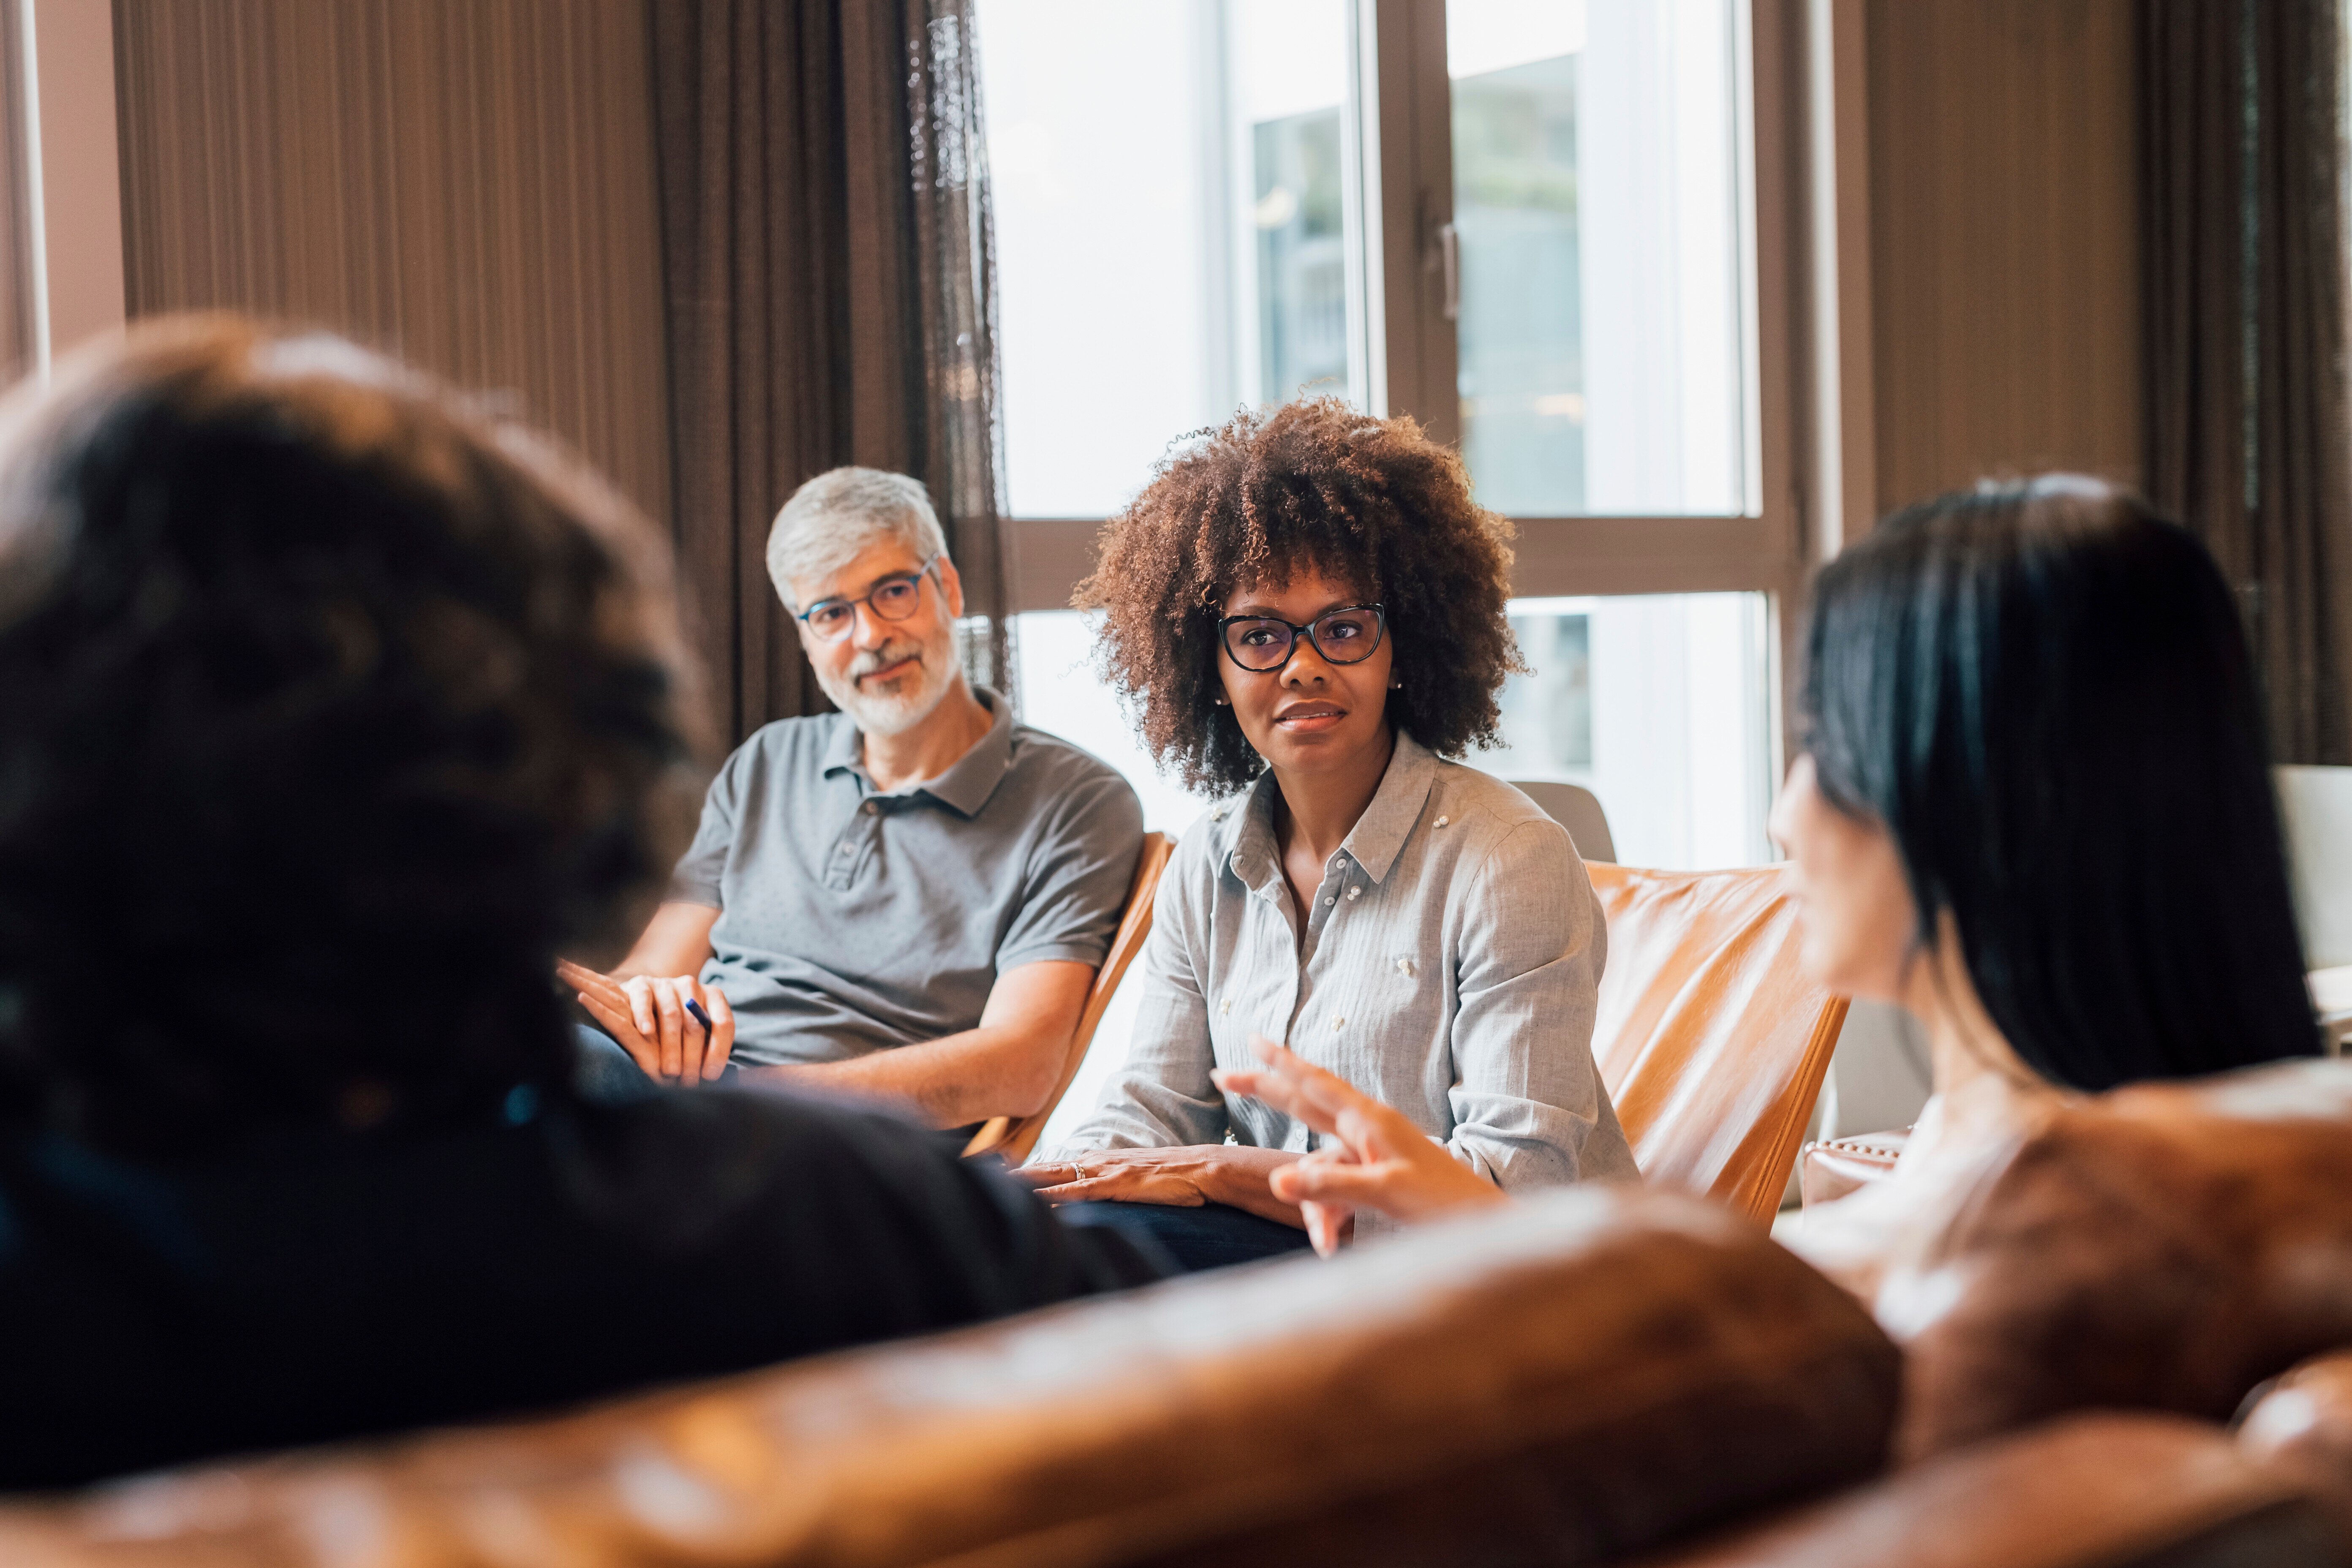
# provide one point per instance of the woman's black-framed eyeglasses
(894, 598)
(1348, 634)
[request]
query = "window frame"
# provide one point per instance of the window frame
(1403, 187)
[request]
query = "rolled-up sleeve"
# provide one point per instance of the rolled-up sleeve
(701, 870)
(1162, 1097)
(1526, 1099)
(1074, 888)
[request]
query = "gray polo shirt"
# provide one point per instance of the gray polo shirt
(851, 919)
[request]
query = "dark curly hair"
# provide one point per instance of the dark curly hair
(332, 711)
(1310, 486)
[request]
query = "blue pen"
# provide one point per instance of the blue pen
(700, 1017)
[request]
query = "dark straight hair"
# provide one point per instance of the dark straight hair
(2042, 690)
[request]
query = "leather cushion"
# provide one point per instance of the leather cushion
(1589, 1373)
(2088, 1491)
(1712, 1041)
(2164, 1247)
(2302, 1425)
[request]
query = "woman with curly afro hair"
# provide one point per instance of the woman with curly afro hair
(1306, 607)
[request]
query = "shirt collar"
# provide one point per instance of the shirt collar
(1246, 822)
(970, 780)
(1380, 834)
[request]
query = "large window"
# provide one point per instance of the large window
(1528, 223)
(1598, 264)
(1178, 228)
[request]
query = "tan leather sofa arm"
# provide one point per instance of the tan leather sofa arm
(1589, 1373)
(2301, 1424)
(2088, 1491)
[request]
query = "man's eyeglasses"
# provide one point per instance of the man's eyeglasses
(894, 598)
(1348, 634)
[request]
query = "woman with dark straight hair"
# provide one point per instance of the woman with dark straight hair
(2034, 807)
(2041, 692)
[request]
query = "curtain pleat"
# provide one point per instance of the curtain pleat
(16, 347)
(830, 293)
(470, 186)
(2247, 409)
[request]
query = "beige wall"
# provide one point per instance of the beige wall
(469, 185)
(2003, 240)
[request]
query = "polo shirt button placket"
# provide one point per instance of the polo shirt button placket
(843, 870)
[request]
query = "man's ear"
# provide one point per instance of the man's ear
(951, 585)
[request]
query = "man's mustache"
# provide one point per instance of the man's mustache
(882, 658)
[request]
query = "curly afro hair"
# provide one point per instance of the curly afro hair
(1311, 486)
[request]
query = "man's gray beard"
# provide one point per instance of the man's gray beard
(894, 715)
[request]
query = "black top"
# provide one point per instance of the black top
(323, 1285)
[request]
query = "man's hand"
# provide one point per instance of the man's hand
(1383, 1160)
(648, 1014)
(1185, 1177)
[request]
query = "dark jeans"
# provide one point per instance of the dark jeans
(1209, 1237)
(610, 1076)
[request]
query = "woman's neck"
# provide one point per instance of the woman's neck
(1980, 1083)
(1317, 811)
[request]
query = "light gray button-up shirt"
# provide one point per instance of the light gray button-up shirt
(1450, 967)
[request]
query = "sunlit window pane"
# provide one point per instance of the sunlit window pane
(1596, 202)
(1175, 237)
(1061, 693)
(1655, 703)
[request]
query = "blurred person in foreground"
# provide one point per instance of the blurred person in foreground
(1306, 607)
(333, 712)
(2018, 700)
(906, 900)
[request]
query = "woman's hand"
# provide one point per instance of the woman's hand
(1183, 1177)
(1384, 1162)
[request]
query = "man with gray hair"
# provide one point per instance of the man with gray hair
(907, 898)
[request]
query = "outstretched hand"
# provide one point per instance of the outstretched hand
(1183, 1177)
(1382, 1161)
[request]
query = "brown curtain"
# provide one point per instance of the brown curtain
(2247, 411)
(830, 284)
(470, 186)
(16, 347)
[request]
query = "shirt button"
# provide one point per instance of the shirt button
(1336, 1021)
(1442, 821)
(1404, 966)
(841, 849)
(872, 810)
(1328, 902)
(1353, 891)
(1226, 1007)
